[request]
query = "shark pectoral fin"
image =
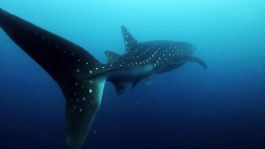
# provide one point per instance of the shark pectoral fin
(148, 81)
(197, 60)
(129, 41)
(119, 86)
(68, 64)
(112, 56)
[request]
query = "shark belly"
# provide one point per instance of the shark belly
(131, 74)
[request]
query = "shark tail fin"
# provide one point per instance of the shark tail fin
(69, 65)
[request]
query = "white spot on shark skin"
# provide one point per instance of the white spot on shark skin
(90, 71)
(103, 67)
(84, 98)
(86, 63)
(96, 68)
(77, 70)
(79, 60)
(90, 91)
(91, 81)
(81, 110)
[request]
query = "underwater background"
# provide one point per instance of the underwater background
(189, 108)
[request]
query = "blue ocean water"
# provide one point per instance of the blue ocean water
(189, 108)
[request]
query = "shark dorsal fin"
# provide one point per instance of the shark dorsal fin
(129, 41)
(111, 56)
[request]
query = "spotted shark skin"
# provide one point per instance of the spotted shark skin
(144, 59)
(81, 77)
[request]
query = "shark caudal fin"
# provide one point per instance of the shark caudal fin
(69, 65)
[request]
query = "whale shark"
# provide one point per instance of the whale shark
(81, 77)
